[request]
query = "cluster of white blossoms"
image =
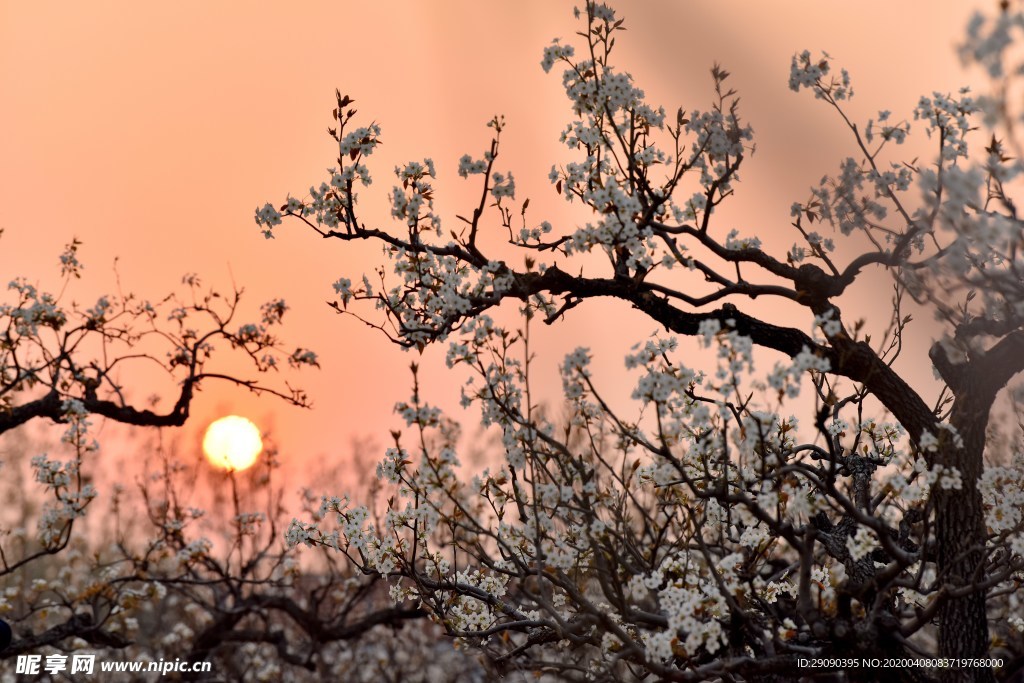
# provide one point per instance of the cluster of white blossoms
(949, 117)
(787, 378)
(661, 383)
(896, 132)
(861, 543)
(809, 73)
(503, 186)
(716, 135)
(413, 202)
(1003, 493)
(62, 479)
(33, 310)
(333, 202)
(197, 550)
(469, 166)
(257, 338)
(988, 41)
(390, 468)
(435, 293)
(471, 613)
(268, 216)
(554, 53)
(828, 323)
(733, 241)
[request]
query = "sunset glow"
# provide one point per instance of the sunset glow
(615, 339)
(154, 121)
(232, 443)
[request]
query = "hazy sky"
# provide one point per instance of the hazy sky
(151, 131)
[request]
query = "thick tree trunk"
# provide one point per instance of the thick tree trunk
(960, 533)
(963, 624)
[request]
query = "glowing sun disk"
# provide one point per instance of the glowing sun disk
(232, 443)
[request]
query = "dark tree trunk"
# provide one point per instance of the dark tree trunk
(960, 532)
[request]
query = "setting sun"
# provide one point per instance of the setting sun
(232, 443)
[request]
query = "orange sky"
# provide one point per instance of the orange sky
(151, 132)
